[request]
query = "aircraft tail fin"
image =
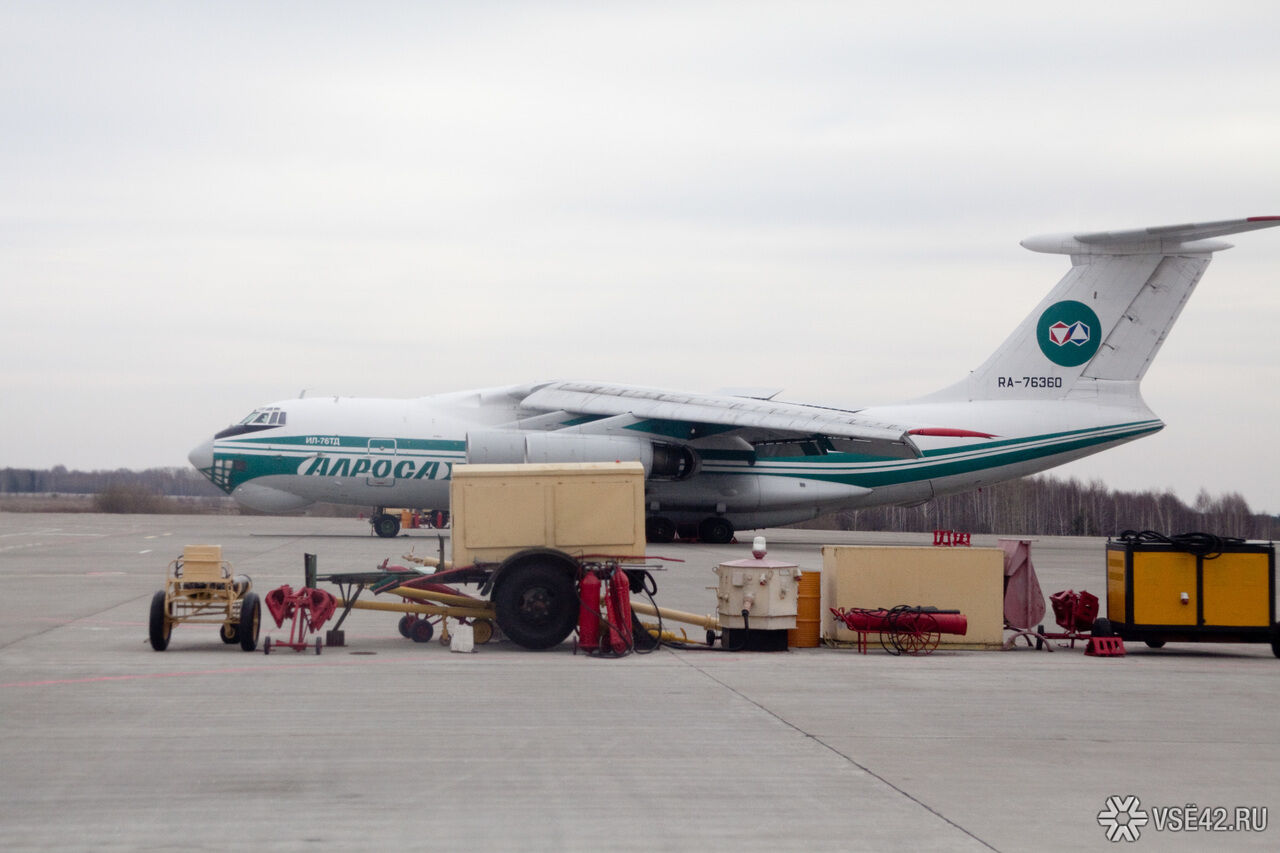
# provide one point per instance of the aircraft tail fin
(1099, 329)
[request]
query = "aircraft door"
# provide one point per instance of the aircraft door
(382, 459)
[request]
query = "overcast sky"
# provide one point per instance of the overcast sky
(205, 207)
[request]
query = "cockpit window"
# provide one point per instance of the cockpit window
(264, 417)
(258, 419)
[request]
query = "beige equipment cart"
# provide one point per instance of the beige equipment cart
(200, 589)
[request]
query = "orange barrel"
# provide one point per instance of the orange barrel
(808, 628)
(406, 519)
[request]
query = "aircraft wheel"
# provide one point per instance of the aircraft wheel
(421, 631)
(716, 530)
(659, 529)
(386, 526)
(536, 604)
(406, 625)
(250, 621)
(230, 633)
(160, 626)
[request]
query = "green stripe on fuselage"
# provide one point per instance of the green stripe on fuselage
(940, 463)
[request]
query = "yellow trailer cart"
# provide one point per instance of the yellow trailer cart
(200, 589)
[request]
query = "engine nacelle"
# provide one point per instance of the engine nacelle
(661, 461)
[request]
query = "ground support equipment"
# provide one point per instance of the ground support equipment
(532, 595)
(1075, 612)
(308, 608)
(902, 629)
(1190, 588)
(200, 589)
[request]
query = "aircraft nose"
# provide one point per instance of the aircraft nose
(202, 456)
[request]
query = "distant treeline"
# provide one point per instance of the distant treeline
(1040, 506)
(1047, 506)
(171, 482)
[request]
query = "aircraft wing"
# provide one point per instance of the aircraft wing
(681, 414)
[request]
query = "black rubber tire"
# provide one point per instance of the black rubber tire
(1102, 627)
(422, 631)
(405, 625)
(716, 530)
(1275, 645)
(230, 633)
(659, 529)
(536, 604)
(266, 646)
(160, 627)
(250, 621)
(1154, 644)
(386, 526)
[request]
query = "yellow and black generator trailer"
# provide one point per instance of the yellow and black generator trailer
(1190, 588)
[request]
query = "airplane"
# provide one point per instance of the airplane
(1065, 384)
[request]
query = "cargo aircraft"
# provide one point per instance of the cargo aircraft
(1064, 385)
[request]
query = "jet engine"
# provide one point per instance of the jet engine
(661, 461)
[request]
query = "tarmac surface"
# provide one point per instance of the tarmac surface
(108, 745)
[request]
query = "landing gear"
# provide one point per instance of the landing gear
(659, 529)
(386, 526)
(716, 530)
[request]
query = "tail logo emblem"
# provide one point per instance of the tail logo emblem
(1077, 333)
(1068, 333)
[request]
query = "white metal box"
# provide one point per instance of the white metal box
(766, 589)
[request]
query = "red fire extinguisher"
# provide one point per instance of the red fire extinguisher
(589, 612)
(618, 606)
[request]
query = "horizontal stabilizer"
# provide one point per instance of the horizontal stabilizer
(1158, 240)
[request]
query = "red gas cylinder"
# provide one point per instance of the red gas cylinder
(618, 606)
(589, 612)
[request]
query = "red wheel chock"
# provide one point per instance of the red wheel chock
(1105, 647)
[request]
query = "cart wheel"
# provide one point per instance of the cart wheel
(230, 633)
(926, 636)
(318, 645)
(422, 631)
(483, 631)
(1275, 645)
(250, 621)
(537, 604)
(1155, 644)
(406, 625)
(160, 627)
(1102, 627)
(266, 646)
